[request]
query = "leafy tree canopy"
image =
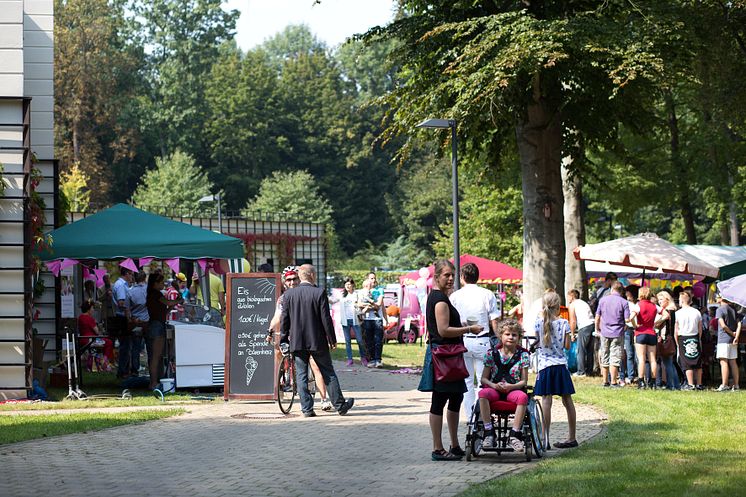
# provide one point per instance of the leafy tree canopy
(175, 185)
(294, 193)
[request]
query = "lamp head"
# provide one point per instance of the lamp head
(436, 123)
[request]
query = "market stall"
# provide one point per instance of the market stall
(124, 233)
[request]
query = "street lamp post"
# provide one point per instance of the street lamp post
(445, 124)
(215, 198)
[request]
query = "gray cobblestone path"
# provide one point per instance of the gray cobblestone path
(382, 448)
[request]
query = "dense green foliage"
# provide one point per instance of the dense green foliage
(649, 97)
(177, 183)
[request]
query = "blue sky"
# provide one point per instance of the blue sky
(331, 21)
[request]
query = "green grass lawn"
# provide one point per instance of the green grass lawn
(395, 355)
(97, 384)
(16, 428)
(658, 443)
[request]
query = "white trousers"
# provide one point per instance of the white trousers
(476, 348)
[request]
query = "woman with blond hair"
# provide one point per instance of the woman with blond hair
(645, 339)
(666, 324)
(553, 333)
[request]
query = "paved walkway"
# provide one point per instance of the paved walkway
(381, 448)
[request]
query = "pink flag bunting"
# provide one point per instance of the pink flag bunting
(129, 264)
(86, 273)
(144, 261)
(100, 273)
(54, 267)
(173, 264)
(66, 263)
(202, 264)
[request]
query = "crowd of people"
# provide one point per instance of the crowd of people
(119, 321)
(630, 336)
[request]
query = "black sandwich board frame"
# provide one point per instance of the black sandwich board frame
(244, 321)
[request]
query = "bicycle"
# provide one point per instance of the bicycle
(286, 386)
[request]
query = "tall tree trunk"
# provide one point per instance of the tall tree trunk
(682, 184)
(733, 213)
(572, 191)
(76, 142)
(539, 138)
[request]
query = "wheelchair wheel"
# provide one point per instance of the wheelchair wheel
(474, 436)
(286, 387)
(536, 420)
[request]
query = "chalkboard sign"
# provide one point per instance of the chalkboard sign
(249, 359)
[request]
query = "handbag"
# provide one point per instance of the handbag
(426, 381)
(448, 362)
(571, 355)
(666, 347)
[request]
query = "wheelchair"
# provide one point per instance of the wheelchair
(502, 421)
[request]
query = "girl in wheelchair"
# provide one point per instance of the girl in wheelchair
(505, 378)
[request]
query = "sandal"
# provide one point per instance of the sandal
(443, 455)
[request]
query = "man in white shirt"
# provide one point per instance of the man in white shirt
(582, 324)
(688, 334)
(479, 304)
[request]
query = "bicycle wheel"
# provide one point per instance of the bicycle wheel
(536, 418)
(286, 387)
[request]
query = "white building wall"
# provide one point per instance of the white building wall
(26, 70)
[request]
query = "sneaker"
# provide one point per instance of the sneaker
(699, 387)
(489, 440)
(515, 444)
(364, 362)
(722, 388)
(309, 414)
(578, 374)
(616, 385)
(457, 451)
(640, 384)
(379, 364)
(621, 382)
(687, 388)
(371, 364)
(346, 407)
(736, 388)
(607, 385)
(326, 405)
(349, 362)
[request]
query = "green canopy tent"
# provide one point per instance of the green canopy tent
(123, 231)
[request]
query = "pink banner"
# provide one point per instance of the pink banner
(129, 264)
(66, 263)
(173, 264)
(54, 267)
(144, 261)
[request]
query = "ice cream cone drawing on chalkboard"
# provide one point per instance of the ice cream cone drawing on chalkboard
(251, 366)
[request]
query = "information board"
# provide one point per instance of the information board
(249, 359)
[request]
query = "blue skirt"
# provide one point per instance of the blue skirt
(554, 380)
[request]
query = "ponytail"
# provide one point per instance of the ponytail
(550, 310)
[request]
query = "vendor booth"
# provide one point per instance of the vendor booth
(123, 233)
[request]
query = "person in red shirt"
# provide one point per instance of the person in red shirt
(645, 338)
(87, 327)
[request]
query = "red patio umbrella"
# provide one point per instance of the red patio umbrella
(490, 272)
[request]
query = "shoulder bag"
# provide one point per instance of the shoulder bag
(448, 362)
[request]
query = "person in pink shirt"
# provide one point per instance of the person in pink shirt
(645, 338)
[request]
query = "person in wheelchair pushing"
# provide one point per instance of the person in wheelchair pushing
(505, 378)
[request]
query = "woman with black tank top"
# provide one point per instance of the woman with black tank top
(444, 327)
